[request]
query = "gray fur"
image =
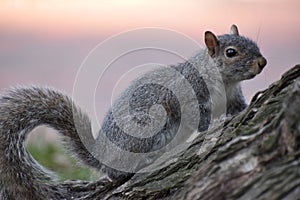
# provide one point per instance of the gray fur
(24, 108)
(21, 110)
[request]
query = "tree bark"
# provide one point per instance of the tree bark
(255, 155)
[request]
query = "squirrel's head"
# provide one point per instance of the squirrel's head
(237, 57)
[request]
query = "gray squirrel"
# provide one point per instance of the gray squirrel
(236, 58)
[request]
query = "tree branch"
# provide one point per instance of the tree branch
(255, 155)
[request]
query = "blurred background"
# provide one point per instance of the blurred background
(44, 42)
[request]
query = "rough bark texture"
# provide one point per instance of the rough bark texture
(255, 155)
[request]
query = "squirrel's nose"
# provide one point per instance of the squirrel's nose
(262, 62)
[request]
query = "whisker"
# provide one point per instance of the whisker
(258, 32)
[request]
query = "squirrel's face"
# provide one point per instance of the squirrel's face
(237, 57)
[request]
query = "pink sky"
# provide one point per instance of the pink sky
(83, 17)
(44, 42)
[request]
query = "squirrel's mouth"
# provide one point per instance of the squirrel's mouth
(252, 75)
(249, 75)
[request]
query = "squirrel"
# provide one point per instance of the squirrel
(235, 57)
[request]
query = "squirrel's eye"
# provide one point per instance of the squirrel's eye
(231, 52)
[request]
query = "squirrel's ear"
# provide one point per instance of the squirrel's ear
(234, 30)
(212, 43)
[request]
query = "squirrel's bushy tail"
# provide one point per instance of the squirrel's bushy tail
(21, 110)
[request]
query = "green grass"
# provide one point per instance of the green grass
(55, 158)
